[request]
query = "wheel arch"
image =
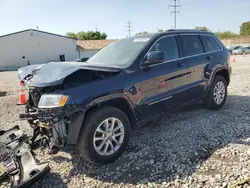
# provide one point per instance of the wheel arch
(119, 101)
(221, 71)
(224, 73)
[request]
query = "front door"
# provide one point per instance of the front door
(162, 86)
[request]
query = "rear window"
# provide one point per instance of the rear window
(192, 45)
(209, 43)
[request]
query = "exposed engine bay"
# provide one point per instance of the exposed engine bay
(17, 161)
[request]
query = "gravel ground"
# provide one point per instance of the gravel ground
(190, 147)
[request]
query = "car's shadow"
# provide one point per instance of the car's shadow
(54, 179)
(174, 146)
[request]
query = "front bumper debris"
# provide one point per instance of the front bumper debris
(17, 161)
(56, 127)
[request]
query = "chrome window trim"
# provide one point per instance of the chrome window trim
(181, 58)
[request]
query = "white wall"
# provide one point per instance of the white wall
(37, 47)
(86, 53)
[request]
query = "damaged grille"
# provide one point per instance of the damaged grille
(34, 97)
(7, 162)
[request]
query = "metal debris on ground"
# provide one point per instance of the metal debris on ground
(16, 160)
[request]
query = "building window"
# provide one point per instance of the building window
(62, 57)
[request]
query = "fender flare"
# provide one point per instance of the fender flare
(213, 73)
(77, 120)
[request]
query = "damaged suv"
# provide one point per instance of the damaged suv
(95, 104)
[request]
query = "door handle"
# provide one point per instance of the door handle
(179, 64)
(209, 57)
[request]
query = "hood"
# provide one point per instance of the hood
(53, 73)
(27, 72)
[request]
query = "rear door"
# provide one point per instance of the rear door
(199, 52)
(193, 54)
(163, 83)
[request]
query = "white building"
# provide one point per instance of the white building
(87, 48)
(35, 47)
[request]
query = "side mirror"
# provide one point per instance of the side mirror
(153, 58)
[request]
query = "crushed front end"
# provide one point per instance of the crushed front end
(51, 123)
(55, 108)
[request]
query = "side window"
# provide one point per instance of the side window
(168, 45)
(191, 44)
(209, 43)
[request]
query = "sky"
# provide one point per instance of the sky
(110, 16)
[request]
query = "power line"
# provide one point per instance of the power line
(174, 7)
(129, 27)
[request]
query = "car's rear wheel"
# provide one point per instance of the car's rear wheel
(104, 135)
(217, 94)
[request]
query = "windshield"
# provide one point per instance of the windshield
(119, 53)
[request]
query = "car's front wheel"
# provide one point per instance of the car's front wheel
(217, 94)
(104, 135)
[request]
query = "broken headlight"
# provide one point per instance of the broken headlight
(52, 101)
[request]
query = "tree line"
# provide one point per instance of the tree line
(244, 31)
(89, 35)
(97, 35)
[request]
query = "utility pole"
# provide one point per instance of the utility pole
(129, 27)
(174, 6)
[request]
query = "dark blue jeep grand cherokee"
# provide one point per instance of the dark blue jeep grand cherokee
(95, 104)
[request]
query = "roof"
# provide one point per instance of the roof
(93, 44)
(170, 31)
(36, 31)
(99, 44)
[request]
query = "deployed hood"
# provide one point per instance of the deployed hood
(53, 73)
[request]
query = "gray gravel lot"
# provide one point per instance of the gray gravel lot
(190, 147)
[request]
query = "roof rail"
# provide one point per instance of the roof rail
(170, 30)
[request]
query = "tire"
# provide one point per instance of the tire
(210, 101)
(86, 145)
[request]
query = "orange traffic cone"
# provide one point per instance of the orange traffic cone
(22, 98)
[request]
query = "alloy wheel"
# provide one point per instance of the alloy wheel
(108, 136)
(219, 93)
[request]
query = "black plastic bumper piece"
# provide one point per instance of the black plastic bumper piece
(28, 116)
(17, 161)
